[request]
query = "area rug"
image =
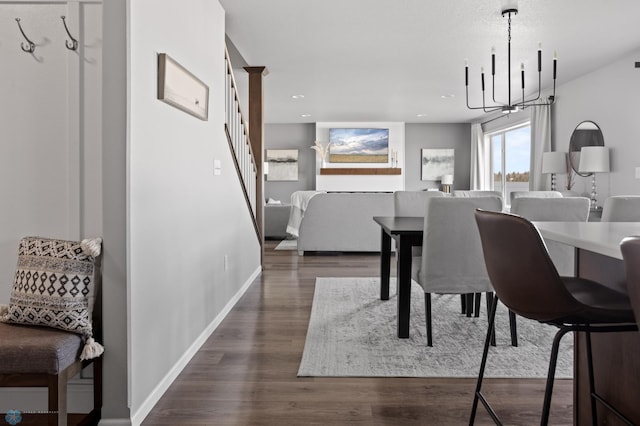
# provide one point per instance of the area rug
(352, 333)
(287, 245)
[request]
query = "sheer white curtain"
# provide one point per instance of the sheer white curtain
(480, 159)
(540, 142)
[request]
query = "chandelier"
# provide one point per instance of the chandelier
(510, 106)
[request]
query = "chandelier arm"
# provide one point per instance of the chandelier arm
(531, 102)
(484, 107)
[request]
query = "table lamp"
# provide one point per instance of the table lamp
(594, 159)
(446, 181)
(554, 162)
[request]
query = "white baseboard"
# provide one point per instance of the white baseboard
(153, 398)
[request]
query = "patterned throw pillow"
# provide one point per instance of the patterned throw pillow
(54, 286)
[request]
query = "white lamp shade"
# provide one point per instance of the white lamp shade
(554, 162)
(594, 159)
(447, 180)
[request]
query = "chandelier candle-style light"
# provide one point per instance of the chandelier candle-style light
(510, 106)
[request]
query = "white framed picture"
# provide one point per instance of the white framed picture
(181, 89)
(283, 164)
(437, 163)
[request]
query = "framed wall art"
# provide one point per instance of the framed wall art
(180, 88)
(359, 145)
(437, 163)
(283, 164)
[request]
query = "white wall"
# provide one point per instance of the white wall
(51, 142)
(182, 220)
(610, 97)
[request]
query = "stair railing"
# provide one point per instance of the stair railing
(239, 143)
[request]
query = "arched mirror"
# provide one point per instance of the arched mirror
(586, 133)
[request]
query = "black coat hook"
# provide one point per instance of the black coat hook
(31, 47)
(73, 44)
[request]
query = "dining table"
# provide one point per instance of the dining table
(616, 359)
(407, 233)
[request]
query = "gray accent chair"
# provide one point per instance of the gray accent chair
(534, 194)
(564, 209)
(452, 261)
(276, 217)
(621, 208)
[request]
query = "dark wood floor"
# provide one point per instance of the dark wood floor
(245, 374)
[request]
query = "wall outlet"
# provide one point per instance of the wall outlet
(226, 262)
(637, 172)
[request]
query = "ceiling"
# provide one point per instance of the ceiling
(393, 60)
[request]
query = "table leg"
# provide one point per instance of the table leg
(385, 265)
(404, 286)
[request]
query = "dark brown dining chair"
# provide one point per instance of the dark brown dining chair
(630, 248)
(525, 279)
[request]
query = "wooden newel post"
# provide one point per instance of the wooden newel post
(256, 135)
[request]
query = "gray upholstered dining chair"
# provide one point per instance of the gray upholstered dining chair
(412, 203)
(534, 194)
(452, 261)
(621, 208)
(465, 193)
(563, 209)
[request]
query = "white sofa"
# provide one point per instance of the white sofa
(343, 222)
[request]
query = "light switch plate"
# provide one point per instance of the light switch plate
(637, 172)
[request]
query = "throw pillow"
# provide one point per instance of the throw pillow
(54, 286)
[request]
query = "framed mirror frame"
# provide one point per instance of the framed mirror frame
(587, 133)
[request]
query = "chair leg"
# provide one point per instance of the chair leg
(489, 295)
(551, 375)
(592, 386)
(57, 399)
(513, 327)
(476, 306)
(478, 395)
(427, 309)
(469, 304)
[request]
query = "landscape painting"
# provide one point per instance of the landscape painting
(283, 164)
(359, 145)
(437, 163)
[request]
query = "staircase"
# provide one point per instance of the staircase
(238, 138)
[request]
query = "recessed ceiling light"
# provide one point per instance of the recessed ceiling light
(305, 115)
(421, 115)
(297, 96)
(448, 96)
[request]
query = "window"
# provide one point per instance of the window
(510, 160)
